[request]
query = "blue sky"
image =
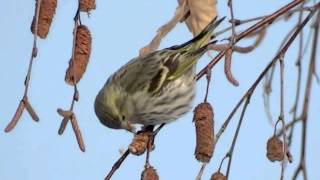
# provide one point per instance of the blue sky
(119, 29)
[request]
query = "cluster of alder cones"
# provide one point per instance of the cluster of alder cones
(78, 64)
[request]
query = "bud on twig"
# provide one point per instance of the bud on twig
(203, 118)
(275, 149)
(139, 143)
(81, 55)
(149, 173)
(47, 11)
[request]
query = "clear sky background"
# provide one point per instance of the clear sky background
(34, 151)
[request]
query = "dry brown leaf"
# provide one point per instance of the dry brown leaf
(196, 13)
(164, 30)
(201, 13)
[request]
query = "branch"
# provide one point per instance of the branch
(70, 115)
(234, 140)
(261, 24)
(302, 164)
(229, 51)
(24, 103)
(239, 22)
(267, 89)
(263, 73)
(265, 21)
(281, 116)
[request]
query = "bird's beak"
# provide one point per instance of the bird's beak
(129, 127)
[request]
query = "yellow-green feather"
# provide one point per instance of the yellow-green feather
(195, 47)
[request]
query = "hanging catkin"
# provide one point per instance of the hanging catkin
(203, 118)
(81, 55)
(87, 5)
(46, 13)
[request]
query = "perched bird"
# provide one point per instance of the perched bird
(154, 89)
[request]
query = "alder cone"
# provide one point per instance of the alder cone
(87, 5)
(218, 176)
(139, 143)
(46, 13)
(275, 149)
(81, 55)
(149, 173)
(203, 118)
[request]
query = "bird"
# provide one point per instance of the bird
(155, 88)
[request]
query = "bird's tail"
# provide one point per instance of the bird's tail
(202, 38)
(195, 48)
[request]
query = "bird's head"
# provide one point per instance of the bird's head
(114, 108)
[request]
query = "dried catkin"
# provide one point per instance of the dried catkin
(46, 13)
(218, 176)
(139, 143)
(87, 5)
(275, 149)
(149, 173)
(203, 118)
(81, 55)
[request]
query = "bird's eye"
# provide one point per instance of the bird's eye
(123, 117)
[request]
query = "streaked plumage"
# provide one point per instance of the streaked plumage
(154, 89)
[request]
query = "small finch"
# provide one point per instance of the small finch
(153, 89)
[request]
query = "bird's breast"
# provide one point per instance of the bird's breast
(174, 100)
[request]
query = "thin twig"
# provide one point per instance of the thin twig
(234, 140)
(117, 164)
(301, 53)
(267, 89)
(304, 117)
(149, 145)
(262, 23)
(24, 103)
(221, 163)
(239, 22)
(263, 73)
(75, 97)
(208, 85)
(281, 116)
(200, 173)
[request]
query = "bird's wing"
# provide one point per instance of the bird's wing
(152, 72)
